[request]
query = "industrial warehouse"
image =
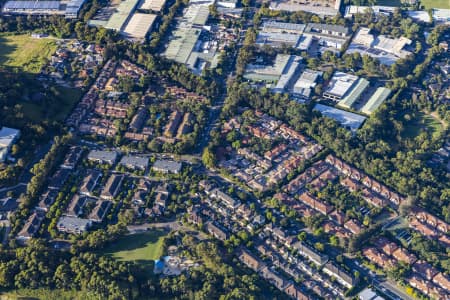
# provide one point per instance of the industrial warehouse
(125, 18)
(69, 9)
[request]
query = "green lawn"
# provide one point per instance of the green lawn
(423, 121)
(47, 294)
(24, 52)
(143, 248)
(435, 4)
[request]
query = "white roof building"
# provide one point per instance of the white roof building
(340, 84)
(7, 138)
(154, 5)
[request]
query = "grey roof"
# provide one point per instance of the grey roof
(345, 118)
(104, 156)
(73, 224)
(311, 27)
(283, 26)
(134, 161)
(167, 165)
(32, 5)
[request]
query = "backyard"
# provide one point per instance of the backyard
(24, 52)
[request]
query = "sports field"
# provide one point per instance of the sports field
(24, 52)
(435, 4)
(142, 247)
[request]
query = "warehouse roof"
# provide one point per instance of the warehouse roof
(45, 5)
(120, 17)
(376, 100)
(268, 72)
(155, 5)
(139, 25)
(354, 94)
(271, 25)
(341, 83)
(345, 118)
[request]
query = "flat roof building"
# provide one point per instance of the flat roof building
(339, 86)
(345, 118)
(139, 26)
(269, 73)
(134, 162)
(288, 75)
(306, 82)
(354, 94)
(109, 157)
(386, 50)
(73, 225)
(283, 27)
(167, 166)
(321, 8)
(8, 136)
(380, 95)
(121, 15)
(153, 5)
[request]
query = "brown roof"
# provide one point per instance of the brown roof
(403, 255)
(442, 280)
(425, 269)
(354, 226)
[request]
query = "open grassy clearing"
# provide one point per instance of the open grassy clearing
(143, 248)
(47, 294)
(435, 4)
(24, 52)
(422, 122)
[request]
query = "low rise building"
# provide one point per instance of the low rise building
(8, 136)
(112, 187)
(109, 157)
(73, 225)
(167, 166)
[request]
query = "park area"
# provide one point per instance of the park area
(435, 4)
(24, 52)
(423, 122)
(143, 248)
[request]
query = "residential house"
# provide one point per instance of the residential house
(403, 255)
(100, 210)
(274, 278)
(294, 292)
(227, 200)
(346, 279)
(112, 187)
(442, 281)
(90, 182)
(31, 227)
(59, 179)
(250, 260)
(72, 157)
(47, 199)
(217, 231)
(424, 269)
(353, 226)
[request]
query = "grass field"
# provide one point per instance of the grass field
(435, 4)
(56, 294)
(423, 121)
(24, 52)
(142, 247)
